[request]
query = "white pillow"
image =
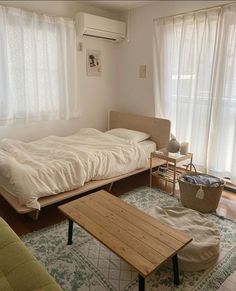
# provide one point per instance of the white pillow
(128, 134)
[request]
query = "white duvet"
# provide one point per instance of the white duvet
(57, 164)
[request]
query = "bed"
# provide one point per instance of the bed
(159, 130)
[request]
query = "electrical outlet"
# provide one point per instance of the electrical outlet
(142, 71)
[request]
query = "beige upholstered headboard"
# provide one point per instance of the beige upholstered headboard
(158, 128)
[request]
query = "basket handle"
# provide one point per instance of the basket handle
(220, 183)
(191, 165)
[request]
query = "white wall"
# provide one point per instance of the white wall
(135, 94)
(95, 93)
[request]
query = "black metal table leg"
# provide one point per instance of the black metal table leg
(175, 269)
(70, 232)
(141, 283)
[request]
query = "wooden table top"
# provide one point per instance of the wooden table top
(171, 157)
(136, 237)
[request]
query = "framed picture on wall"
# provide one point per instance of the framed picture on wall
(94, 63)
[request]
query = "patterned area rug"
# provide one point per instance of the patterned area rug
(88, 265)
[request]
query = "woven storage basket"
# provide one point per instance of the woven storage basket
(188, 192)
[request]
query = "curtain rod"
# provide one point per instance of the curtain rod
(194, 11)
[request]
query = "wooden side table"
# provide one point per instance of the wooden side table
(169, 172)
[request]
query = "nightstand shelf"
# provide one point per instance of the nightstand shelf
(169, 173)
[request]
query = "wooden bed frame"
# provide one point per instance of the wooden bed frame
(159, 129)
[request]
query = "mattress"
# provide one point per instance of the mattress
(4, 183)
(55, 164)
(147, 145)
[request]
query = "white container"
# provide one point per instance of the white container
(184, 148)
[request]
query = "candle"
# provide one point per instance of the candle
(184, 148)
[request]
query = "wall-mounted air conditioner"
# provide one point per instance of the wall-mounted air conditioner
(100, 27)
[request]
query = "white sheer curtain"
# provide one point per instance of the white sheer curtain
(195, 83)
(222, 145)
(38, 68)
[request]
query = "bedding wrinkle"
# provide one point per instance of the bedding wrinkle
(57, 164)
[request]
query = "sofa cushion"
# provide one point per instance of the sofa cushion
(19, 269)
(4, 284)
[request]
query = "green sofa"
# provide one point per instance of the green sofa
(19, 269)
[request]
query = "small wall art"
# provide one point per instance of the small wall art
(94, 63)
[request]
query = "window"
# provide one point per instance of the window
(195, 81)
(38, 67)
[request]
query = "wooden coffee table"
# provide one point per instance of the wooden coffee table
(136, 237)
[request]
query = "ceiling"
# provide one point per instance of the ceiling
(117, 5)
